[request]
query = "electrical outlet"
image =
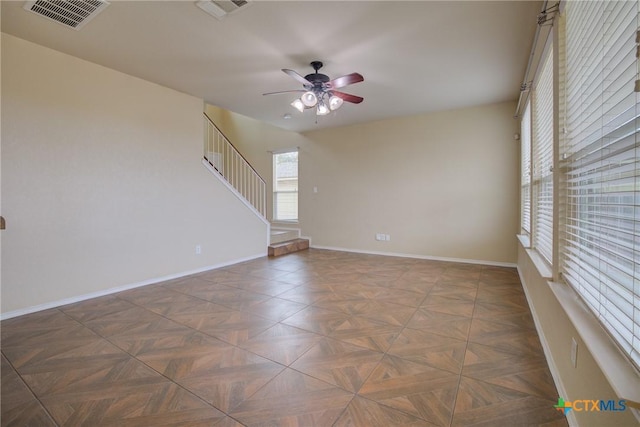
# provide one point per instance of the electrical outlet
(574, 352)
(379, 236)
(198, 249)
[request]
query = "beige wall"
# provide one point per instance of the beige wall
(556, 330)
(102, 182)
(441, 185)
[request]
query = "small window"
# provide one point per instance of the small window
(285, 186)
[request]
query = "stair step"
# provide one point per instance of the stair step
(279, 235)
(288, 247)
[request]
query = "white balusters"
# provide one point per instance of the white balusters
(224, 157)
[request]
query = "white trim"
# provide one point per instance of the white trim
(615, 366)
(542, 265)
(525, 240)
(285, 222)
(284, 150)
(290, 226)
(220, 178)
(275, 226)
(59, 303)
(268, 234)
(427, 257)
(557, 379)
(617, 369)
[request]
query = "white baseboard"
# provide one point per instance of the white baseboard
(59, 303)
(557, 379)
(426, 257)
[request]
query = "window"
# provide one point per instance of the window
(525, 167)
(285, 186)
(542, 159)
(600, 152)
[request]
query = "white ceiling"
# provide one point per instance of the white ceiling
(416, 56)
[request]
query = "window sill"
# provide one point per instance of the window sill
(621, 374)
(543, 267)
(285, 222)
(524, 240)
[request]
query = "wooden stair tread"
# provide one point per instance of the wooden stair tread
(288, 247)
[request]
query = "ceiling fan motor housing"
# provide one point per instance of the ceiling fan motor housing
(318, 80)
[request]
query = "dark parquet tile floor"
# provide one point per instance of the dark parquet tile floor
(316, 338)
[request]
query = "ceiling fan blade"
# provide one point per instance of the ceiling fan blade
(284, 91)
(348, 97)
(343, 81)
(297, 76)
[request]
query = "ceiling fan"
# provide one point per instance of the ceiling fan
(320, 91)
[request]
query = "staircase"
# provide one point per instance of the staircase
(227, 164)
(285, 241)
(221, 156)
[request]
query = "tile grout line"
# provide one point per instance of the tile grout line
(35, 396)
(466, 346)
(385, 354)
(384, 280)
(148, 366)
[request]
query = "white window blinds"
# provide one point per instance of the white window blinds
(601, 242)
(525, 167)
(543, 159)
(285, 186)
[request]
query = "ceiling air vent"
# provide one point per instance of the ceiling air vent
(70, 13)
(221, 8)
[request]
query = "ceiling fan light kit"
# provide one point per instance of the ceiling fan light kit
(298, 105)
(309, 99)
(322, 109)
(320, 91)
(335, 102)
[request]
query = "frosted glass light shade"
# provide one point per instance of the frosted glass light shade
(298, 105)
(322, 110)
(335, 102)
(309, 99)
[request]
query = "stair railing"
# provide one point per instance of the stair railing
(220, 153)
